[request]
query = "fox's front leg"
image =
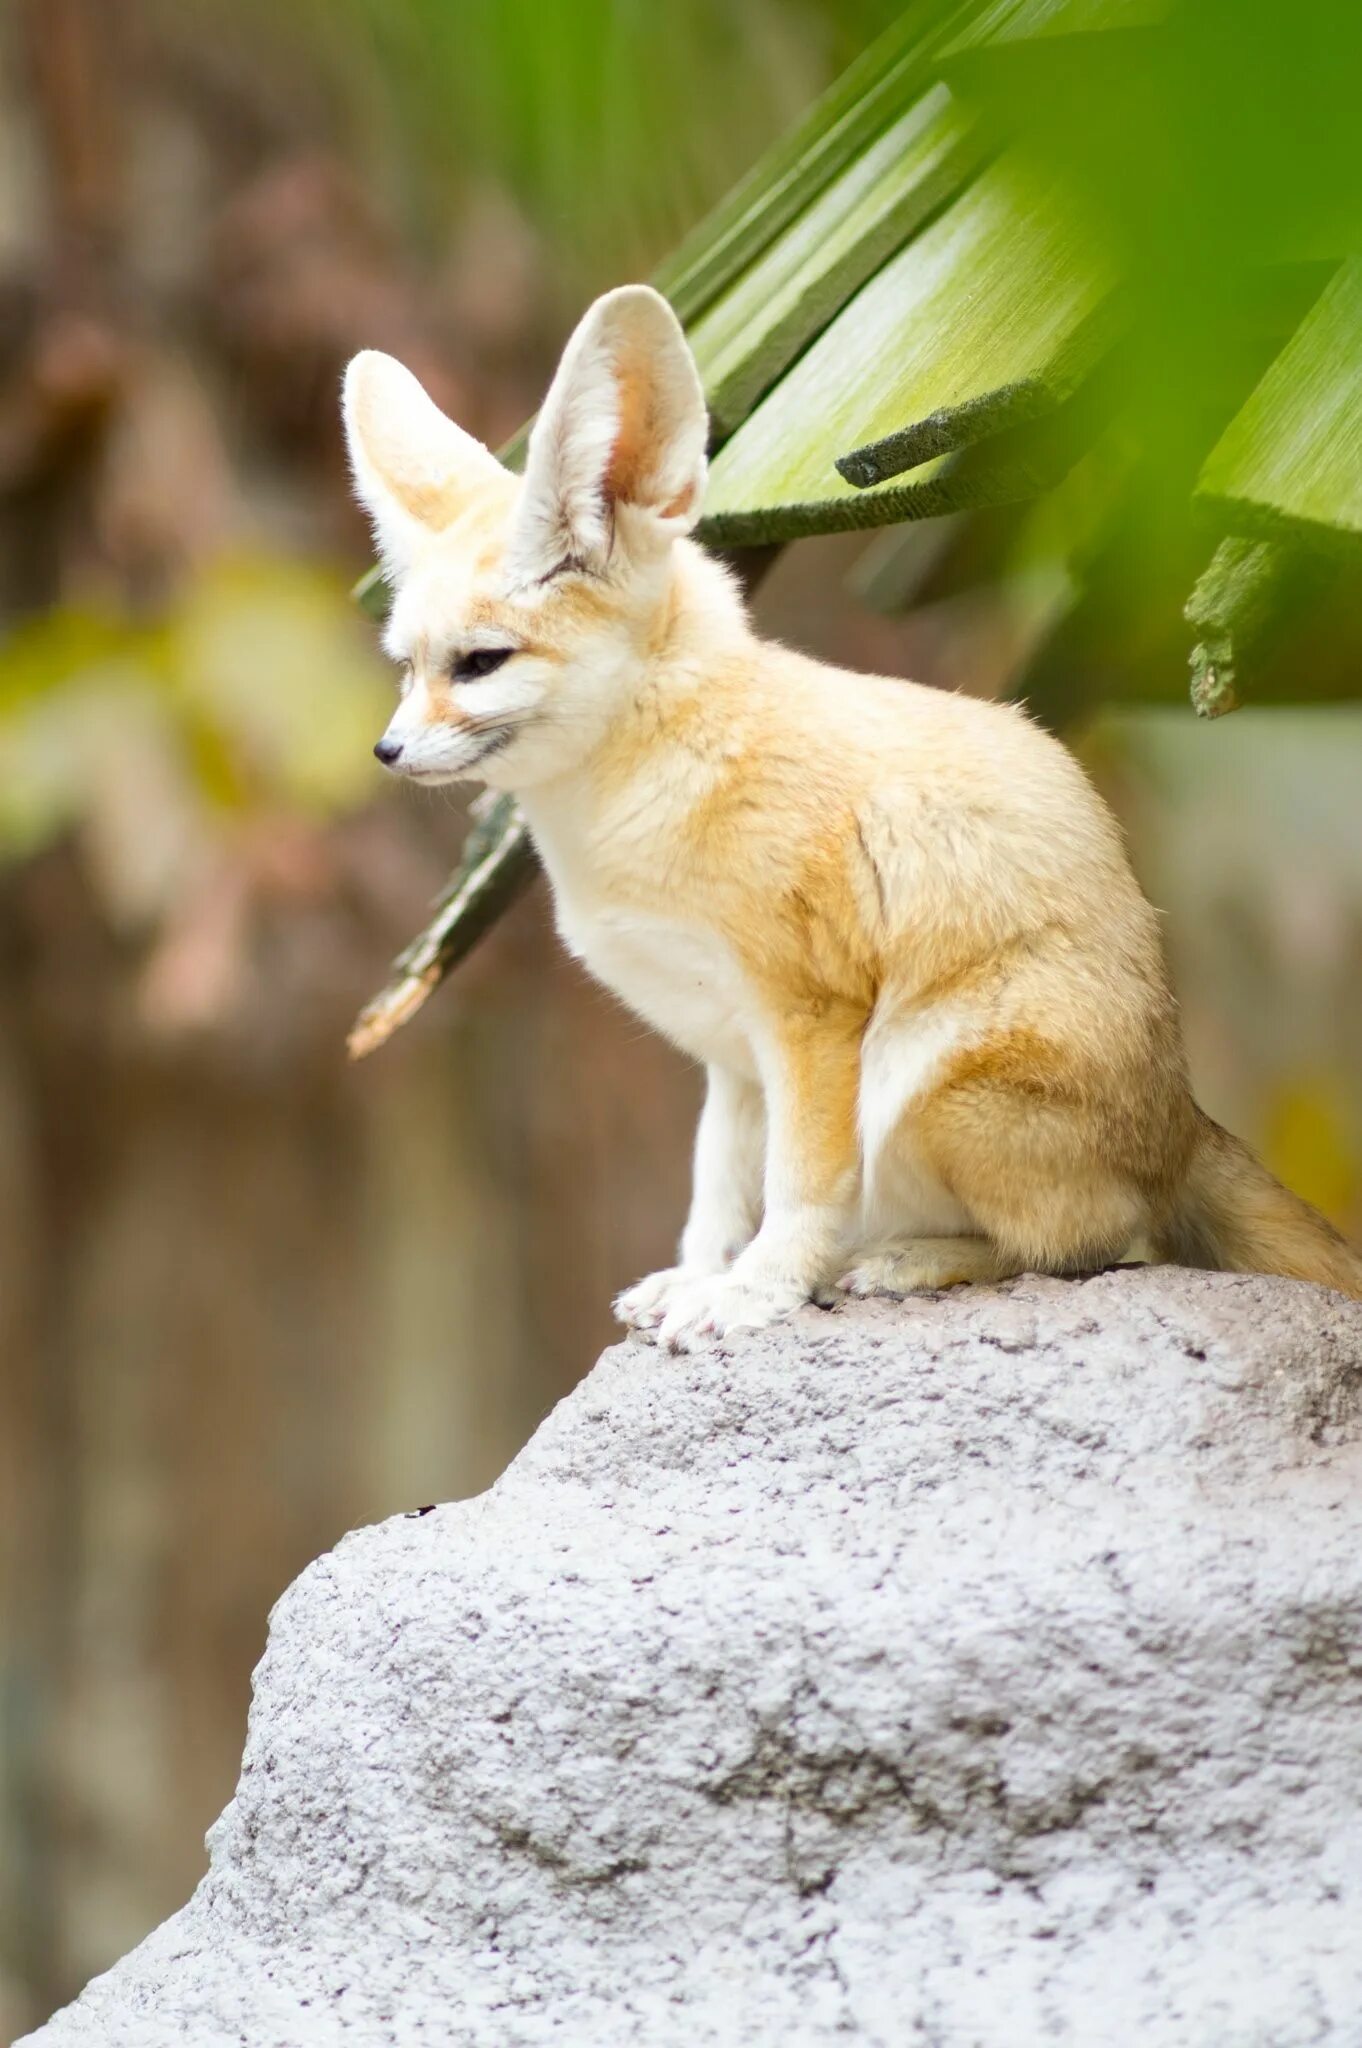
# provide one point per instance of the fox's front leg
(730, 1147)
(810, 1068)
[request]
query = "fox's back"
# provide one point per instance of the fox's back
(887, 808)
(765, 832)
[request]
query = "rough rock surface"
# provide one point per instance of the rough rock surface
(985, 1669)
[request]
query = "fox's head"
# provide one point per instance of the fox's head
(522, 605)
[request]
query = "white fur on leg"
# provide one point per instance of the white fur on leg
(925, 1263)
(729, 1149)
(730, 1152)
(805, 1229)
(902, 1055)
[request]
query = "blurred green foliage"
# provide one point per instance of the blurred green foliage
(1216, 141)
(1182, 176)
(612, 123)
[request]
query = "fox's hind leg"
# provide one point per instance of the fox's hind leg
(1049, 1162)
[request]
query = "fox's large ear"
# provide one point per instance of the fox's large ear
(415, 471)
(617, 456)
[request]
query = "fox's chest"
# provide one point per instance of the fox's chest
(615, 914)
(683, 981)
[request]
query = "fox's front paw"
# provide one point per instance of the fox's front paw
(643, 1306)
(702, 1311)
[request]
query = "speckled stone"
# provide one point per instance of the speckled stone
(981, 1669)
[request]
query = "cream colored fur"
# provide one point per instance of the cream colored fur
(897, 926)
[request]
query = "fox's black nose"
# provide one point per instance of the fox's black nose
(388, 751)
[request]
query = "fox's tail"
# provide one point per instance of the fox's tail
(1232, 1215)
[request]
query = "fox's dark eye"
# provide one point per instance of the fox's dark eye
(480, 662)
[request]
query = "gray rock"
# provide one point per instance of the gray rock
(985, 1669)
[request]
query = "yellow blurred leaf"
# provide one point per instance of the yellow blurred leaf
(259, 690)
(270, 654)
(1306, 1141)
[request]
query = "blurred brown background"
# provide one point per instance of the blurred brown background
(250, 1296)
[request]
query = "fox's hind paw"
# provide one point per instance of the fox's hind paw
(924, 1264)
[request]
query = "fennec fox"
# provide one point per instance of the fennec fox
(897, 926)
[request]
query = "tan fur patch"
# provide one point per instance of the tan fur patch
(821, 1055)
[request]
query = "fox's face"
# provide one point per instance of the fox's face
(523, 607)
